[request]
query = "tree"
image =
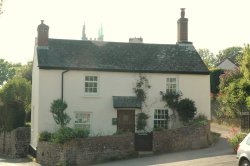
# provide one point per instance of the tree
(58, 108)
(235, 89)
(233, 53)
(15, 98)
(25, 71)
(17, 90)
(6, 71)
(207, 57)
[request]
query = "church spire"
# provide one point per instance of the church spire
(84, 37)
(100, 34)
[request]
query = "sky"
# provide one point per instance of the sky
(213, 24)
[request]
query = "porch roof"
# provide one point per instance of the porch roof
(126, 102)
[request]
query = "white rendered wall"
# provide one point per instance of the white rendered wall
(195, 87)
(34, 102)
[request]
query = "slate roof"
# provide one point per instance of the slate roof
(118, 56)
(126, 102)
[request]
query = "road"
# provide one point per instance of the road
(219, 154)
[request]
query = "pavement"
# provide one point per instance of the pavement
(219, 154)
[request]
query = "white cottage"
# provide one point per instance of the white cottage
(97, 78)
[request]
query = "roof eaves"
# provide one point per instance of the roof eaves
(122, 70)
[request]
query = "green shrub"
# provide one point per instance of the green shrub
(58, 108)
(234, 141)
(200, 120)
(80, 133)
(186, 109)
(62, 135)
(45, 136)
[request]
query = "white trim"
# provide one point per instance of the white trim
(90, 118)
(177, 81)
(86, 94)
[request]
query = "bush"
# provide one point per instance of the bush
(200, 120)
(45, 136)
(63, 135)
(234, 141)
(80, 133)
(58, 108)
(186, 109)
(12, 115)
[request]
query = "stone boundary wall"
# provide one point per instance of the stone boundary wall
(86, 150)
(95, 149)
(189, 137)
(15, 143)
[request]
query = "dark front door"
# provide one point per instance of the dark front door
(126, 120)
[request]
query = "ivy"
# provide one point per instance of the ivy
(141, 88)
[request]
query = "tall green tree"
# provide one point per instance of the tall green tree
(25, 71)
(207, 56)
(7, 71)
(15, 98)
(235, 89)
(17, 89)
(245, 69)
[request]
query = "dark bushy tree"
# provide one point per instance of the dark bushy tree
(58, 108)
(215, 80)
(186, 109)
(15, 99)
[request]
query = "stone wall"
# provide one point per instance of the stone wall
(94, 149)
(189, 137)
(86, 150)
(15, 143)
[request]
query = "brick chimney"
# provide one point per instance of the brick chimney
(42, 34)
(182, 28)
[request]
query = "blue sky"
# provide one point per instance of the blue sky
(213, 24)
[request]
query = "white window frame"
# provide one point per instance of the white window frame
(83, 123)
(170, 84)
(160, 118)
(91, 81)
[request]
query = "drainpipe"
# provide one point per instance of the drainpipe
(63, 81)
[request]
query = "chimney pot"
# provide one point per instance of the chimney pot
(43, 34)
(182, 28)
(182, 12)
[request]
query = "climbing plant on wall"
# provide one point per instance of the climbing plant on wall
(141, 88)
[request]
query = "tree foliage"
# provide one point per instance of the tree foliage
(234, 53)
(6, 71)
(235, 89)
(15, 98)
(215, 80)
(186, 109)
(25, 71)
(12, 115)
(17, 89)
(207, 57)
(58, 108)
